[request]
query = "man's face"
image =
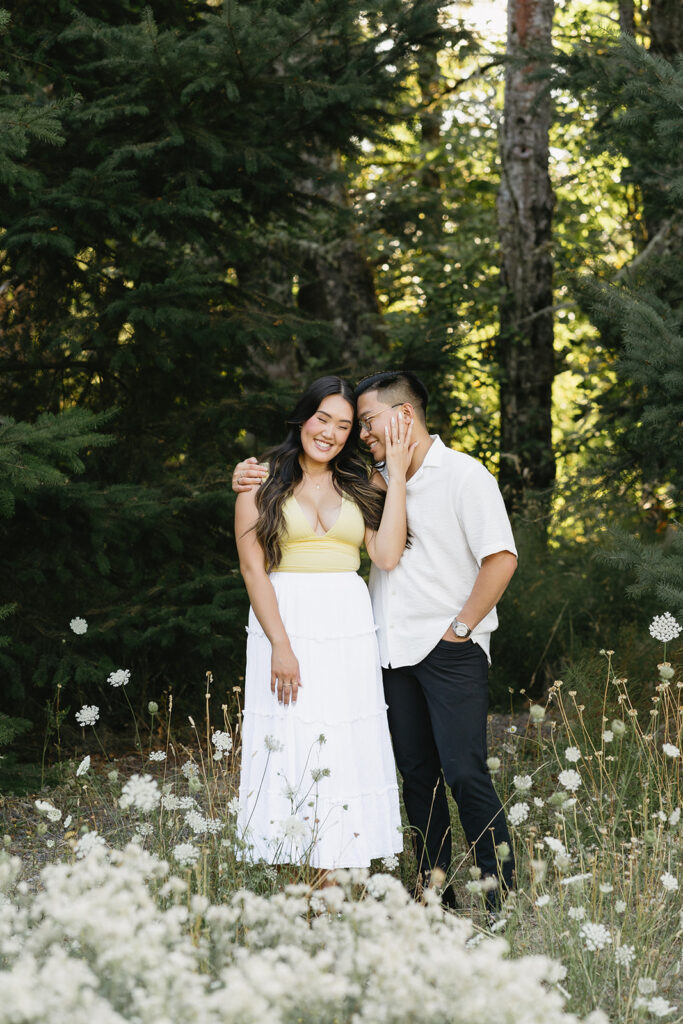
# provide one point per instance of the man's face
(373, 416)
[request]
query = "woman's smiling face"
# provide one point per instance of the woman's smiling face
(326, 432)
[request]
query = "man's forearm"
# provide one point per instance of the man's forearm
(496, 572)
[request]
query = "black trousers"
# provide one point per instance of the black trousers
(437, 718)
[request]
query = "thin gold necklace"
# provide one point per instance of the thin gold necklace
(317, 486)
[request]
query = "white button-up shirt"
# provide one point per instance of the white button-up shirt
(456, 517)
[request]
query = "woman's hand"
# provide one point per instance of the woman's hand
(248, 474)
(398, 449)
(284, 673)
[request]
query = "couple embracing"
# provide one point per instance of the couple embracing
(318, 779)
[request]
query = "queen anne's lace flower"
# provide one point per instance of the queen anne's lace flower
(675, 817)
(522, 783)
(669, 881)
(671, 750)
(84, 765)
(157, 755)
(572, 754)
(222, 741)
(88, 714)
(625, 955)
(121, 677)
(664, 628)
(78, 626)
(190, 770)
(493, 764)
(576, 913)
(142, 792)
(51, 812)
(88, 842)
(518, 813)
(595, 936)
(295, 829)
(186, 854)
(570, 779)
(660, 1007)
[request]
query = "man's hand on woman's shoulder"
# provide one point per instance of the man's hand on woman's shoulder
(248, 474)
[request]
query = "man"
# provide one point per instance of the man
(435, 613)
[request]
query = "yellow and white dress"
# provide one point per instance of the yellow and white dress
(318, 781)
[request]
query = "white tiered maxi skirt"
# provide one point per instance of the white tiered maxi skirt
(318, 781)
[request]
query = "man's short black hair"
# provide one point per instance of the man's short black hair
(404, 385)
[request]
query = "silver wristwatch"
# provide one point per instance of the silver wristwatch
(461, 629)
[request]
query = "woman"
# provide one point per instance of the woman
(318, 783)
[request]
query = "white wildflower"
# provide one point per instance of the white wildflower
(606, 888)
(556, 845)
(390, 863)
(618, 727)
(595, 936)
(121, 677)
(670, 750)
(142, 792)
(272, 744)
(543, 901)
(78, 626)
(518, 813)
(647, 986)
(83, 766)
(522, 783)
(293, 828)
(572, 754)
(45, 807)
(570, 779)
(620, 906)
(190, 770)
(88, 714)
(669, 881)
(222, 741)
(659, 1007)
(575, 879)
(576, 913)
(607, 736)
(197, 822)
(67, 821)
(624, 955)
(186, 854)
(88, 842)
(144, 830)
(664, 628)
(157, 755)
(234, 807)
(493, 764)
(536, 713)
(675, 817)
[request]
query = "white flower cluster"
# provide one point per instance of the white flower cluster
(222, 741)
(141, 792)
(671, 750)
(570, 779)
(51, 812)
(595, 936)
(121, 677)
(84, 766)
(664, 628)
(518, 813)
(93, 944)
(78, 626)
(88, 714)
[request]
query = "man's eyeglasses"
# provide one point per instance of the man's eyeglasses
(365, 422)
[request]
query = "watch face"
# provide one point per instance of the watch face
(460, 629)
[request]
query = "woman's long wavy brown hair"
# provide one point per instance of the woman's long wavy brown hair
(350, 474)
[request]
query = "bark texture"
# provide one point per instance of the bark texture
(627, 17)
(525, 206)
(666, 28)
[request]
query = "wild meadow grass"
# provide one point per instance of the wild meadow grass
(149, 908)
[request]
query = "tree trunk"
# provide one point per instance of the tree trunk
(525, 205)
(336, 284)
(627, 17)
(666, 28)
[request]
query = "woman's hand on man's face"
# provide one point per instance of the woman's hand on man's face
(247, 474)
